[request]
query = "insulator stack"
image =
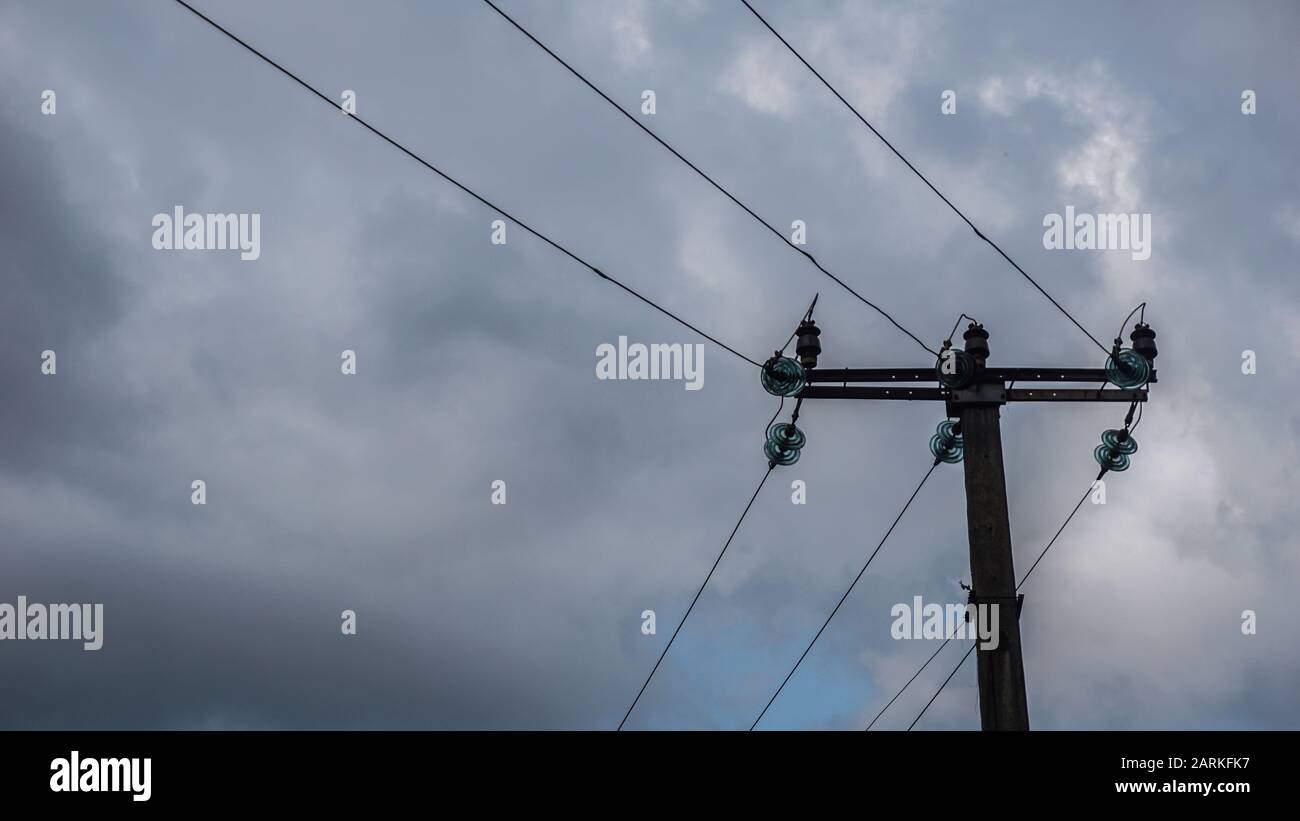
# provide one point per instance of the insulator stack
(1115, 449)
(946, 444)
(784, 441)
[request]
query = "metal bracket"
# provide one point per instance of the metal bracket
(972, 598)
(983, 393)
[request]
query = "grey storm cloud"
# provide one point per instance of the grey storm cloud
(476, 362)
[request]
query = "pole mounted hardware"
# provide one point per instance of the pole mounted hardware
(973, 393)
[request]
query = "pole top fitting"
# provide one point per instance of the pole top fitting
(977, 342)
(809, 347)
(1144, 340)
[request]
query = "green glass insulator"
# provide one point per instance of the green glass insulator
(1119, 442)
(782, 376)
(963, 370)
(1110, 459)
(946, 445)
(780, 457)
(785, 436)
(784, 441)
(1128, 369)
(946, 448)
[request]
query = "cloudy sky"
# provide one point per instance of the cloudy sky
(476, 362)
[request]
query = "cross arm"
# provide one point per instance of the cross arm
(943, 394)
(920, 375)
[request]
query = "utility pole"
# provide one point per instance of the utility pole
(1001, 671)
(974, 394)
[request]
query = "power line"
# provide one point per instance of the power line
(557, 246)
(553, 243)
(909, 682)
(1023, 579)
(697, 596)
(960, 317)
(710, 180)
(941, 686)
(923, 178)
(1078, 505)
(846, 593)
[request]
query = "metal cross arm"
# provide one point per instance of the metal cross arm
(964, 396)
(894, 375)
(991, 385)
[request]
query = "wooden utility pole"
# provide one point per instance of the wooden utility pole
(975, 400)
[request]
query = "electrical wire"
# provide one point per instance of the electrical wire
(779, 406)
(909, 682)
(696, 598)
(1077, 505)
(941, 686)
(553, 243)
(709, 179)
(843, 598)
(1142, 308)
(951, 333)
(922, 177)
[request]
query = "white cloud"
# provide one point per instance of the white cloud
(759, 76)
(1104, 165)
(620, 27)
(869, 77)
